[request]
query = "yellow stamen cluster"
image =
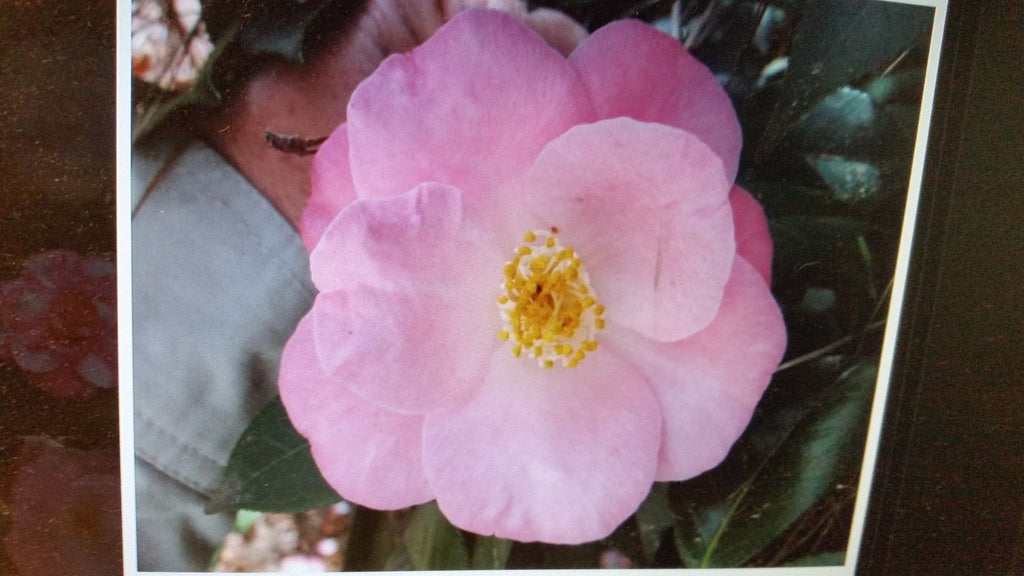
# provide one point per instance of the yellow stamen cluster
(547, 306)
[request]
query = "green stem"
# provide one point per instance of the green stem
(815, 354)
(706, 560)
(362, 539)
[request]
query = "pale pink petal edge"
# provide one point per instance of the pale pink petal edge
(561, 456)
(369, 455)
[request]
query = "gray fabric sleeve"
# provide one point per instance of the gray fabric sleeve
(219, 281)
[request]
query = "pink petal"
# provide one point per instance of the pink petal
(709, 384)
(333, 189)
(418, 241)
(631, 69)
(369, 455)
(420, 244)
(471, 107)
(646, 207)
(407, 313)
(412, 353)
(561, 455)
(753, 240)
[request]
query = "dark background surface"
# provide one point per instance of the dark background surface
(948, 492)
(56, 129)
(949, 487)
(57, 189)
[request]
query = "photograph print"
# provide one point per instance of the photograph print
(496, 284)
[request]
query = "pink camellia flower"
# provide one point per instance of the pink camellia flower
(58, 323)
(65, 512)
(539, 291)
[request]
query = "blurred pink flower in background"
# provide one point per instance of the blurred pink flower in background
(539, 290)
(65, 512)
(613, 559)
(58, 323)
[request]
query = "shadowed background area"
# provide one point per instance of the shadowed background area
(57, 190)
(56, 128)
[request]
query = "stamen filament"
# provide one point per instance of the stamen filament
(548, 307)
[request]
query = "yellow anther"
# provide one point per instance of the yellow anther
(548, 308)
(539, 264)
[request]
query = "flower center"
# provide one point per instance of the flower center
(547, 306)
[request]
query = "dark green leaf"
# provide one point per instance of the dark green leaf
(279, 28)
(433, 543)
(844, 255)
(653, 518)
(490, 553)
(842, 122)
(824, 448)
(905, 118)
(841, 41)
(399, 560)
(901, 87)
(789, 398)
(784, 404)
(271, 469)
(838, 42)
(816, 301)
(849, 180)
(374, 542)
(822, 559)
(162, 104)
(817, 247)
(780, 199)
(533, 555)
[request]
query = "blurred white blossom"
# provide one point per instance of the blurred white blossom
(303, 564)
(306, 542)
(169, 42)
